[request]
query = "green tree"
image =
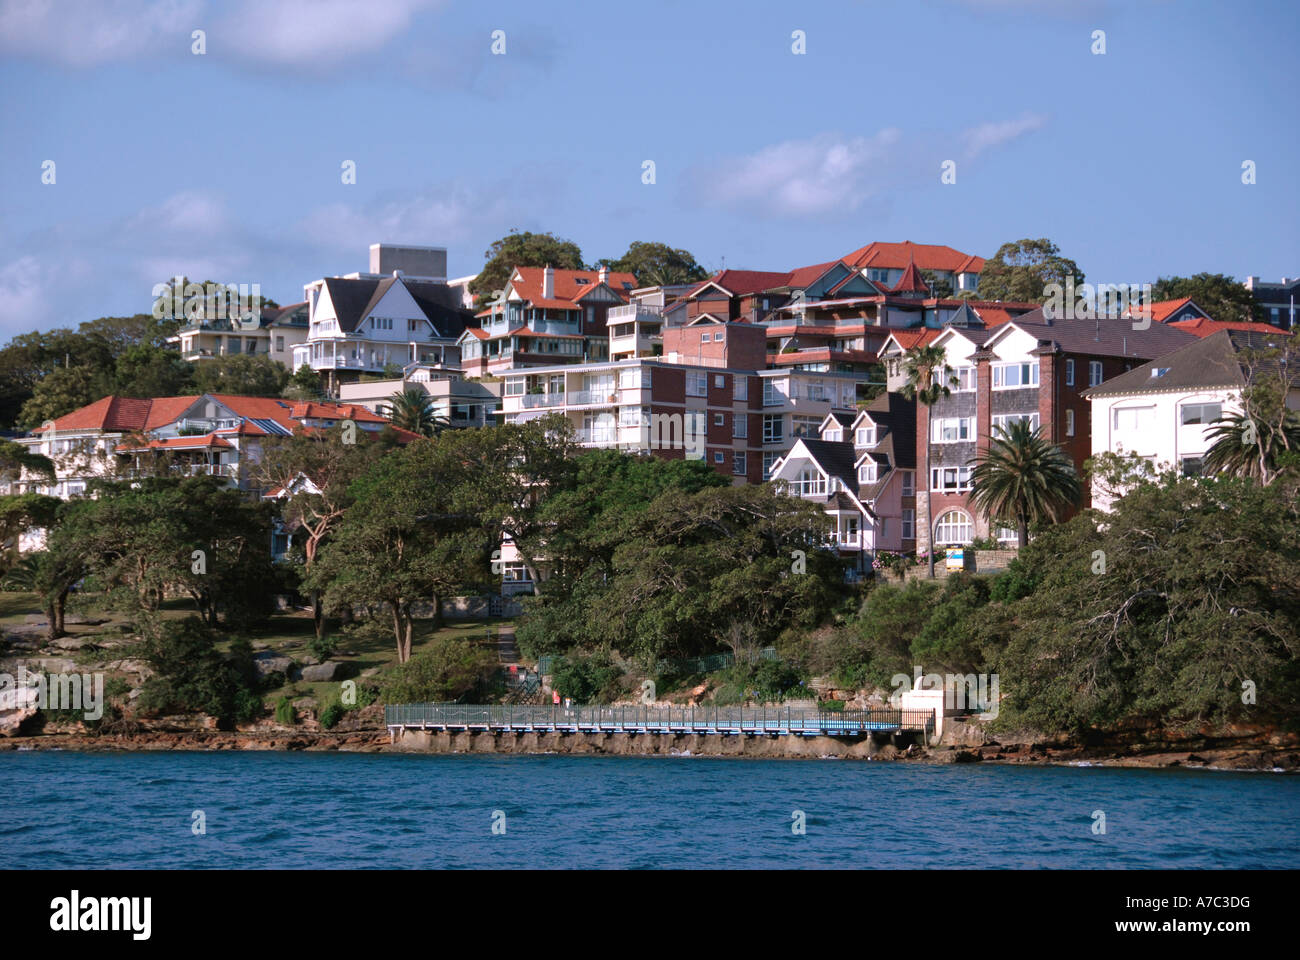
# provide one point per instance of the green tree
(412, 409)
(305, 384)
(402, 542)
(191, 675)
(63, 390)
(525, 249)
(447, 669)
(928, 380)
(939, 287)
(1222, 297)
(1022, 479)
(316, 470)
(241, 374)
(1263, 440)
(656, 264)
(1021, 271)
(147, 371)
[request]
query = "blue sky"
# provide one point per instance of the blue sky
(226, 166)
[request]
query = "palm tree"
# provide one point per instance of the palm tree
(1251, 446)
(1024, 478)
(412, 410)
(925, 366)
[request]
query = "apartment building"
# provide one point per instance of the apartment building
(1164, 410)
(545, 317)
(708, 400)
(453, 399)
(1277, 301)
(1029, 368)
(274, 333)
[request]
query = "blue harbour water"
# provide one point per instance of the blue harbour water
(331, 810)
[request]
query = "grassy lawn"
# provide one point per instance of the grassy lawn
(287, 633)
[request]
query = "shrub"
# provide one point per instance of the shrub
(284, 712)
(330, 714)
(322, 648)
(447, 669)
(591, 679)
(191, 676)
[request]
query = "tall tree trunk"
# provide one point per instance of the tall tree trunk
(60, 608)
(51, 621)
(317, 614)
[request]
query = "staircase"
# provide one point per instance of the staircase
(528, 690)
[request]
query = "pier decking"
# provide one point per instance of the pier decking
(736, 721)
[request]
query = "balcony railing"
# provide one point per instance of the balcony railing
(630, 310)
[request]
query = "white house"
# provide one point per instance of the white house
(1164, 410)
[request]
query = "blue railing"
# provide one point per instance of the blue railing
(653, 719)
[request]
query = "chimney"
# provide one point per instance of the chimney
(604, 275)
(548, 283)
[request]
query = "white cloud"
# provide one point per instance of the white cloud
(989, 135)
(832, 175)
(24, 288)
(311, 33)
(290, 33)
(86, 33)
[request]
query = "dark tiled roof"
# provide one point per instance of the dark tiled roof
(1212, 361)
(1104, 336)
(354, 298)
(836, 458)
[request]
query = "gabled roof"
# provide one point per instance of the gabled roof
(1202, 364)
(927, 256)
(354, 298)
(906, 339)
(113, 414)
(569, 286)
(739, 283)
(1163, 309)
(834, 457)
(1102, 336)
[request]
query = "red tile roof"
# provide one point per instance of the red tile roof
(528, 284)
(1205, 327)
(896, 256)
(124, 414)
(741, 283)
(911, 281)
(907, 339)
(204, 442)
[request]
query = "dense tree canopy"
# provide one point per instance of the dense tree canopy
(1222, 297)
(525, 249)
(1021, 270)
(654, 264)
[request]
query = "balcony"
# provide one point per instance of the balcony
(531, 401)
(596, 437)
(629, 312)
(228, 470)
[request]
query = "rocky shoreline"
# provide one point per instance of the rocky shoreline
(1239, 750)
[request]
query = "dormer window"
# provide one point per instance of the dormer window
(867, 472)
(866, 437)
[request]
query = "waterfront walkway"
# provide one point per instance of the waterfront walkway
(753, 721)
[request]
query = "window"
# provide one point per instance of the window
(849, 531)
(768, 460)
(719, 457)
(1133, 418)
(834, 435)
(719, 381)
(1069, 373)
(909, 483)
(740, 425)
(1069, 423)
(697, 384)
(866, 437)
(773, 429)
(810, 483)
(1094, 372)
(953, 527)
(279, 344)
(1004, 421)
(740, 388)
(1193, 466)
(772, 397)
(719, 419)
(867, 472)
(963, 375)
(738, 463)
(1190, 413)
(909, 524)
(805, 426)
(950, 479)
(629, 379)
(1007, 376)
(951, 430)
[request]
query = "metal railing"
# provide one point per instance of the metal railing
(650, 719)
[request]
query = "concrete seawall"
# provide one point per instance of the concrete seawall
(650, 744)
